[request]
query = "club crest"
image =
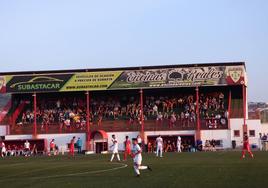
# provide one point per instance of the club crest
(236, 74)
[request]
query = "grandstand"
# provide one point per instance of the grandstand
(196, 101)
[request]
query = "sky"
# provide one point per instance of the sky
(68, 34)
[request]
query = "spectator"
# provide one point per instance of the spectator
(27, 149)
(179, 144)
(79, 145)
(2, 149)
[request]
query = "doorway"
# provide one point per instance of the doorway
(170, 142)
(101, 147)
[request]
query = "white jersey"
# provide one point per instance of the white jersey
(159, 142)
(179, 141)
(139, 140)
(137, 149)
(115, 145)
(3, 148)
(27, 145)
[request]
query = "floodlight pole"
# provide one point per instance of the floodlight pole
(35, 123)
(88, 122)
(198, 133)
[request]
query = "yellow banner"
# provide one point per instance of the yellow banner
(91, 81)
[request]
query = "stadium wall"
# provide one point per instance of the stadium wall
(3, 130)
(60, 139)
(156, 133)
(227, 136)
(236, 125)
(224, 135)
(121, 136)
(264, 128)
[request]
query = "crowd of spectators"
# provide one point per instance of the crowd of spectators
(210, 145)
(177, 110)
(68, 112)
(264, 141)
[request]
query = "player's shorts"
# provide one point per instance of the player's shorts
(71, 149)
(137, 160)
(246, 147)
(159, 147)
(115, 151)
(128, 151)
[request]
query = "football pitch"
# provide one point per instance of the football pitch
(203, 170)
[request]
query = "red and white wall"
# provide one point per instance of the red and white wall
(225, 135)
(60, 139)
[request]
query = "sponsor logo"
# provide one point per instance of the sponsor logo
(235, 74)
(175, 75)
(195, 74)
(38, 83)
(146, 76)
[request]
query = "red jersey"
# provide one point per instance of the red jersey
(72, 143)
(72, 147)
(127, 144)
(52, 144)
(127, 149)
(246, 144)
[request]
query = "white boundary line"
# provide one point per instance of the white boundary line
(83, 173)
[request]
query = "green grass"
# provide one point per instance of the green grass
(203, 170)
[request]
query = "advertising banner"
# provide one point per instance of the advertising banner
(125, 79)
(91, 81)
(181, 77)
(37, 83)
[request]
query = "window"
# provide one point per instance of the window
(252, 133)
(236, 133)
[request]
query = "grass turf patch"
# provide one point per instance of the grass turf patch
(204, 169)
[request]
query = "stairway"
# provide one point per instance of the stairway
(237, 108)
(18, 111)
